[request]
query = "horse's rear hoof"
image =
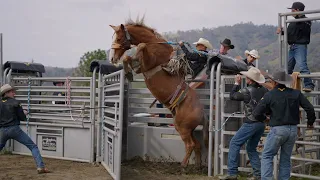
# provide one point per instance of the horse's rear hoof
(184, 170)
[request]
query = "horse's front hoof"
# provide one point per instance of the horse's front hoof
(129, 76)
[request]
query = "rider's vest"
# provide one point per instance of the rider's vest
(255, 93)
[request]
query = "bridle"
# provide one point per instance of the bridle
(126, 44)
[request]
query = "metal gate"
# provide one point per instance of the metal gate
(111, 100)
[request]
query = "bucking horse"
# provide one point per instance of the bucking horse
(152, 55)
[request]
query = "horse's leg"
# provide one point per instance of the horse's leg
(197, 151)
(186, 136)
(127, 70)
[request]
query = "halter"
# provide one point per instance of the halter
(125, 44)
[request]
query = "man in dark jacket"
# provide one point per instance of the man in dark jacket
(58, 93)
(283, 105)
(197, 61)
(252, 129)
(298, 39)
(11, 113)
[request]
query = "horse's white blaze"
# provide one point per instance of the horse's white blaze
(111, 52)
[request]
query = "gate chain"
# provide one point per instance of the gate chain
(28, 110)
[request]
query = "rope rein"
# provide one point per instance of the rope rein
(28, 110)
(68, 101)
(68, 95)
(234, 113)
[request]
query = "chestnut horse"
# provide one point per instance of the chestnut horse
(170, 90)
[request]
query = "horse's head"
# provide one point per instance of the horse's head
(121, 42)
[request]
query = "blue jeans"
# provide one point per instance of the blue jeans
(282, 137)
(298, 54)
(250, 133)
(16, 133)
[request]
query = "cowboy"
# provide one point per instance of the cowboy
(298, 39)
(197, 60)
(251, 56)
(252, 129)
(225, 46)
(58, 83)
(283, 105)
(11, 113)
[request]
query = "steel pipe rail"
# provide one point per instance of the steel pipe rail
(312, 75)
(217, 123)
(300, 12)
(305, 126)
(50, 79)
(308, 143)
(303, 19)
(305, 176)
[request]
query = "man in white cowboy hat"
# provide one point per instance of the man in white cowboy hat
(283, 104)
(197, 61)
(11, 113)
(252, 129)
(251, 56)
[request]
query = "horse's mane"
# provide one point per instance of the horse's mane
(140, 23)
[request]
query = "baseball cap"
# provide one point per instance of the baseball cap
(297, 5)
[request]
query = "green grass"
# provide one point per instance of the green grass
(4, 151)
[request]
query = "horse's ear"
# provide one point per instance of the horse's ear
(122, 27)
(115, 28)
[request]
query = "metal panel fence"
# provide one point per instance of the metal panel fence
(61, 126)
(111, 102)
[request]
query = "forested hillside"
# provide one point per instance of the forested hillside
(247, 36)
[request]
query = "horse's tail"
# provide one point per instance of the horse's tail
(205, 130)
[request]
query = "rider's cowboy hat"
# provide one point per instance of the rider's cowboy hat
(204, 42)
(281, 77)
(254, 74)
(227, 42)
(254, 53)
(6, 88)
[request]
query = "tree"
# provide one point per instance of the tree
(83, 69)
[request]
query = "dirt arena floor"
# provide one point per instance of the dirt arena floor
(16, 167)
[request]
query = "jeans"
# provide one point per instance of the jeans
(250, 133)
(298, 54)
(282, 137)
(16, 133)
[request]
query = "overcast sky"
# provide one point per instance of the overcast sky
(58, 32)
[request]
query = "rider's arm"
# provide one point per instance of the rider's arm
(191, 56)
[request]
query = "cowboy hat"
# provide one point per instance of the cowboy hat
(56, 82)
(204, 42)
(227, 42)
(254, 74)
(6, 88)
(280, 76)
(254, 53)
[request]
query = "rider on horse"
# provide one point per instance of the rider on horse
(196, 60)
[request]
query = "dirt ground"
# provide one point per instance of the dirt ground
(16, 167)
